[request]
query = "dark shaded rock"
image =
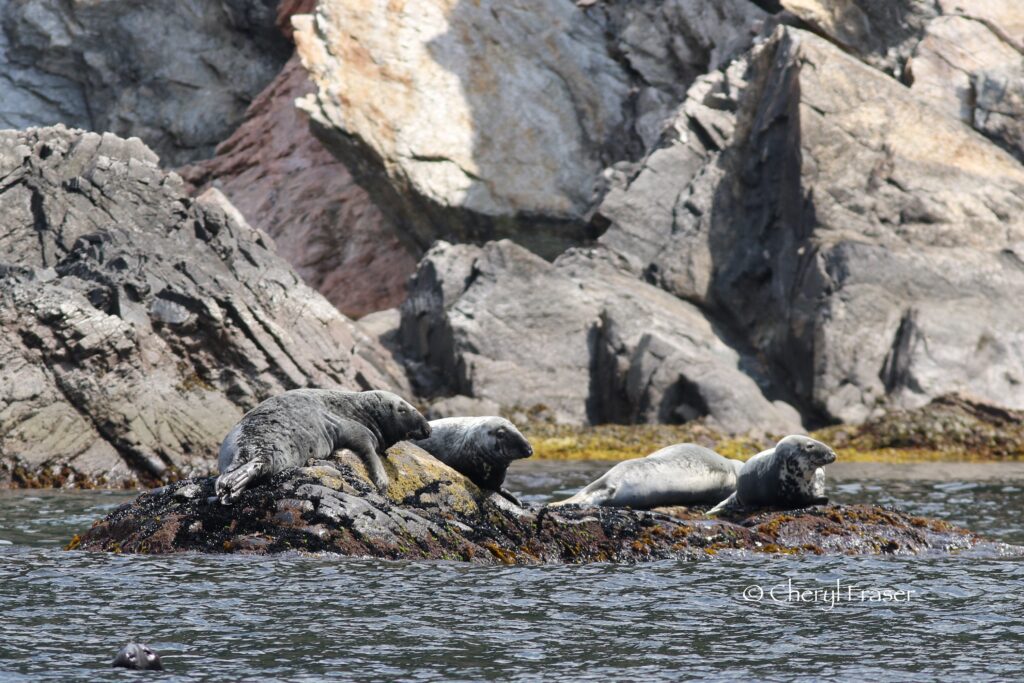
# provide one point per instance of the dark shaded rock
(138, 324)
(432, 512)
(179, 75)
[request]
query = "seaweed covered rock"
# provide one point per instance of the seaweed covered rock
(953, 425)
(432, 512)
(138, 324)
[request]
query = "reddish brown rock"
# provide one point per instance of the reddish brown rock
(285, 183)
(285, 11)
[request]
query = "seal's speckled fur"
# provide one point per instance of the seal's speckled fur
(479, 447)
(788, 476)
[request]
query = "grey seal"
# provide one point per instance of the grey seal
(287, 430)
(788, 476)
(481, 448)
(138, 656)
(683, 474)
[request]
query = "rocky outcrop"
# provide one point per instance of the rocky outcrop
(866, 245)
(137, 324)
(286, 184)
(432, 512)
(471, 121)
(951, 427)
(966, 58)
(834, 238)
(178, 75)
(580, 337)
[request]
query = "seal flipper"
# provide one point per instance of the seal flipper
(508, 495)
(367, 452)
(230, 484)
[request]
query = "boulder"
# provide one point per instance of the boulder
(865, 245)
(432, 512)
(286, 184)
(471, 120)
(179, 75)
(138, 324)
(580, 340)
(967, 58)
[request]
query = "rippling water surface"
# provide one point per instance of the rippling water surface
(63, 615)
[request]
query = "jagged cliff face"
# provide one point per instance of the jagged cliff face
(758, 213)
(480, 120)
(286, 184)
(834, 189)
(138, 324)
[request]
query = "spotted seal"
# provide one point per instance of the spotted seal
(138, 656)
(683, 474)
(481, 448)
(287, 430)
(788, 476)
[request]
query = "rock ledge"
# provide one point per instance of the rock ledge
(432, 512)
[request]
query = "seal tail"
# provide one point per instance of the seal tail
(230, 485)
(728, 505)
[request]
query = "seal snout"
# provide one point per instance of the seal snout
(422, 433)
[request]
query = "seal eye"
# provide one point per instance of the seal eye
(500, 432)
(403, 409)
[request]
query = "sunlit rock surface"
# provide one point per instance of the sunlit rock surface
(476, 120)
(138, 324)
(285, 183)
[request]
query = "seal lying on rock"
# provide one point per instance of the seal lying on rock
(788, 476)
(683, 474)
(481, 448)
(287, 430)
(138, 656)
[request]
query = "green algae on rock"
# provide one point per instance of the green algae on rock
(432, 512)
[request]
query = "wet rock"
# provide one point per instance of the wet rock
(178, 75)
(432, 512)
(286, 184)
(478, 120)
(954, 425)
(138, 324)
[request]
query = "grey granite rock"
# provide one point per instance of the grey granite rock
(138, 324)
(477, 120)
(179, 75)
(864, 244)
(580, 340)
